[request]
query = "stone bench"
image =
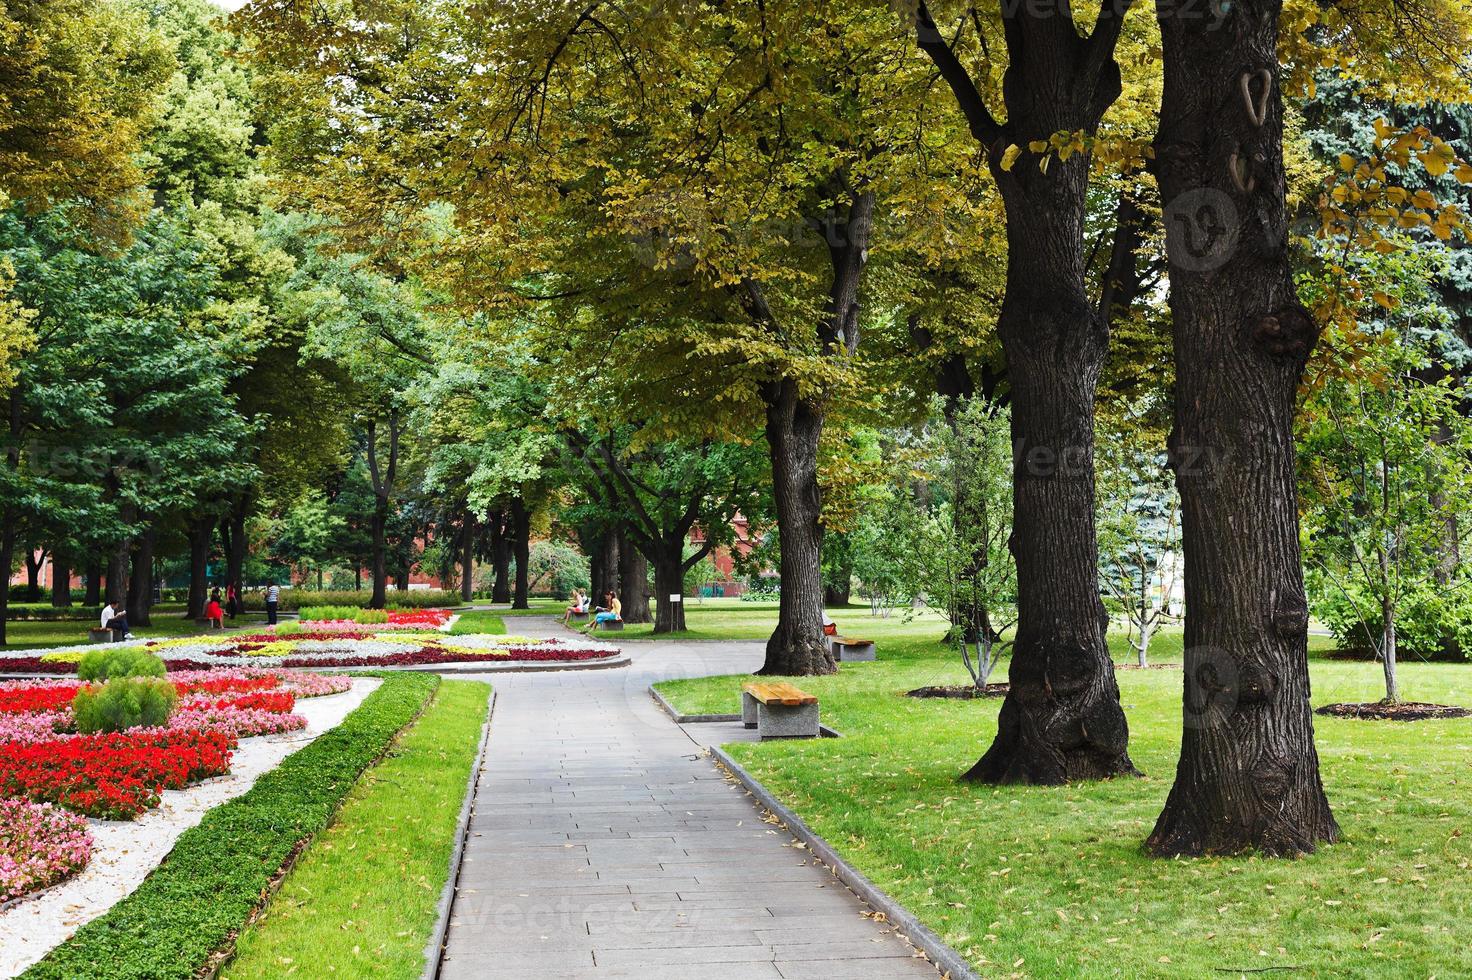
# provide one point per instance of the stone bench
(779, 710)
(99, 635)
(610, 626)
(579, 617)
(848, 648)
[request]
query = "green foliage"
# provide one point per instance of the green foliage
(288, 627)
(557, 568)
(293, 599)
(481, 621)
(356, 614)
(114, 662)
(123, 703)
(196, 901)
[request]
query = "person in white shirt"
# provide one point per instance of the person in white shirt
(273, 598)
(116, 620)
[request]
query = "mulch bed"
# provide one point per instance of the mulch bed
(961, 692)
(1394, 711)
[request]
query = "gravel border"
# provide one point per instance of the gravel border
(950, 963)
(434, 950)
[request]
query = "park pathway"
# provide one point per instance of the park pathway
(605, 844)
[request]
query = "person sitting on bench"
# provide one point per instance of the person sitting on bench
(611, 613)
(115, 620)
(213, 612)
(579, 607)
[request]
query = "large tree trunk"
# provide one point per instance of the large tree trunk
(232, 536)
(61, 581)
(794, 427)
(92, 598)
(1248, 777)
(521, 531)
(633, 582)
(838, 593)
(1061, 720)
(467, 557)
(669, 580)
(200, 533)
(140, 583)
(35, 558)
(7, 557)
(379, 523)
(117, 574)
(500, 559)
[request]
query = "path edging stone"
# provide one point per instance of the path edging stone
(680, 719)
(434, 951)
(950, 963)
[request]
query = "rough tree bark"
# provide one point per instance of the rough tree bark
(467, 556)
(633, 579)
(93, 596)
(201, 531)
(34, 559)
(1061, 720)
(140, 582)
(500, 559)
(1248, 777)
(521, 533)
(794, 427)
(383, 491)
(61, 581)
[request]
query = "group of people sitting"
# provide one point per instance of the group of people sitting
(611, 613)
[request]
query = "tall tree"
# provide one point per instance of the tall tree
(1062, 719)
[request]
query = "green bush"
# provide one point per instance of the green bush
(128, 702)
(366, 617)
(288, 627)
(1431, 623)
(101, 665)
(294, 599)
(194, 903)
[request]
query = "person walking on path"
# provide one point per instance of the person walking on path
(273, 598)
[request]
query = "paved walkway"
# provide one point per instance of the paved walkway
(605, 844)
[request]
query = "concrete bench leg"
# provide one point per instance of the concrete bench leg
(748, 710)
(849, 652)
(787, 721)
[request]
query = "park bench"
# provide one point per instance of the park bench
(612, 624)
(779, 710)
(99, 635)
(579, 617)
(847, 648)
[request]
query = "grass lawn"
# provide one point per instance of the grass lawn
(539, 607)
(67, 633)
(1052, 881)
(478, 621)
(362, 901)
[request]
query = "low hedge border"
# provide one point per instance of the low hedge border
(291, 600)
(220, 873)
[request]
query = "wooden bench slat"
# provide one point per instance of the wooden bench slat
(780, 693)
(850, 641)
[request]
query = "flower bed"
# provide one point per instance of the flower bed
(113, 776)
(39, 846)
(33, 696)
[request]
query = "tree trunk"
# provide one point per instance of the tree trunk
(1061, 720)
(140, 583)
(838, 593)
(92, 598)
(1387, 649)
(521, 530)
(379, 569)
(669, 580)
(467, 557)
(500, 559)
(35, 558)
(200, 533)
(633, 582)
(61, 582)
(794, 426)
(232, 536)
(7, 557)
(1248, 777)
(117, 574)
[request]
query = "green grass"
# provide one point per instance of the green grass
(1053, 882)
(478, 621)
(362, 902)
(68, 633)
(538, 606)
(214, 878)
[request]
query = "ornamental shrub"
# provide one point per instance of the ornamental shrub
(102, 665)
(127, 702)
